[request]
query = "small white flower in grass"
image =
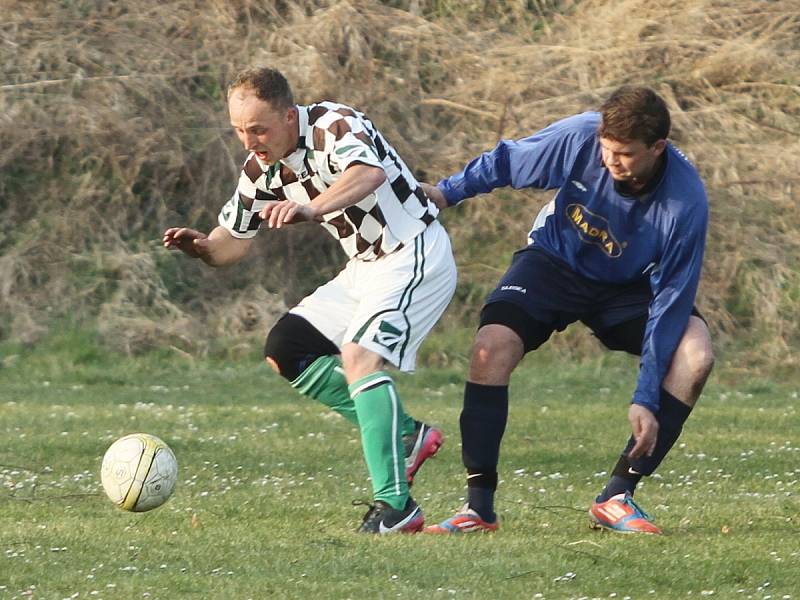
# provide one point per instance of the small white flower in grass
(568, 576)
(707, 593)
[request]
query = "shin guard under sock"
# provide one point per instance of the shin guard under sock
(379, 412)
(483, 422)
(323, 380)
(671, 416)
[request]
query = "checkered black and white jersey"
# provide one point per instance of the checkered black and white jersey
(332, 137)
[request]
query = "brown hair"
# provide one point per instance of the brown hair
(269, 85)
(634, 113)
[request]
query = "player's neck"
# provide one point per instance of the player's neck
(639, 186)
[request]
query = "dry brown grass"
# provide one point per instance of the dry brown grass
(113, 127)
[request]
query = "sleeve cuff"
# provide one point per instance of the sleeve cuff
(653, 407)
(451, 195)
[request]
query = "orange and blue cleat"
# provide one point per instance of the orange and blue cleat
(465, 521)
(621, 514)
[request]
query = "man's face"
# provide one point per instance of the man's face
(633, 162)
(272, 134)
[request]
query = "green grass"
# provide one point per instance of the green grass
(262, 508)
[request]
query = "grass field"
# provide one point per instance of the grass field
(263, 504)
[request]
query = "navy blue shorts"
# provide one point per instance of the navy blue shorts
(540, 294)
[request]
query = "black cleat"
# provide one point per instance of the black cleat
(382, 518)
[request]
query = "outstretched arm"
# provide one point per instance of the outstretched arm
(219, 248)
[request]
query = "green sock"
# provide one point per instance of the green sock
(379, 415)
(324, 381)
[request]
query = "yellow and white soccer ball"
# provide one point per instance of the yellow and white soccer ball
(139, 472)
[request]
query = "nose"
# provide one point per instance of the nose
(612, 158)
(248, 140)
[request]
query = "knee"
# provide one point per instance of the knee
(359, 362)
(275, 349)
(485, 352)
(695, 352)
(495, 353)
(700, 363)
(293, 344)
(272, 364)
(351, 355)
(697, 355)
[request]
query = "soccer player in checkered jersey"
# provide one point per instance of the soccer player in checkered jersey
(327, 163)
(619, 248)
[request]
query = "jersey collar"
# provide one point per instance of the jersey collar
(295, 160)
(302, 126)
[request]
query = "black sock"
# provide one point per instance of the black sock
(622, 480)
(483, 422)
(671, 416)
(480, 494)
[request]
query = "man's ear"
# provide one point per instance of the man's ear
(659, 147)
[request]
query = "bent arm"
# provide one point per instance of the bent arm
(356, 183)
(217, 249)
(220, 248)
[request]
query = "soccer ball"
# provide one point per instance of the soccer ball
(139, 472)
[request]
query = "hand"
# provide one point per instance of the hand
(277, 213)
(645, 431)
(189, 241)
(435, 194)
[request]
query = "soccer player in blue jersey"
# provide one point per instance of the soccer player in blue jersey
(620, 249)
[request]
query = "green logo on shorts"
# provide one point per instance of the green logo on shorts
(388, 336)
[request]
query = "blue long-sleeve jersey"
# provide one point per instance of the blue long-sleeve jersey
(603, 234)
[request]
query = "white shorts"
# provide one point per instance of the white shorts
(388, 305)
